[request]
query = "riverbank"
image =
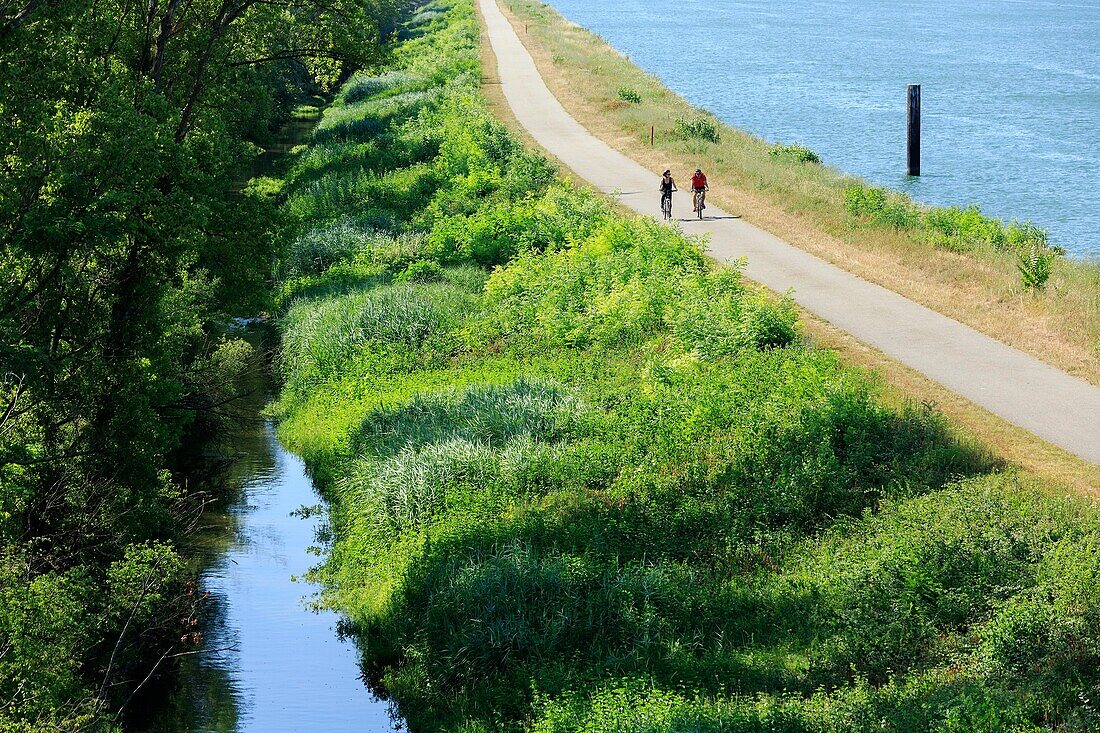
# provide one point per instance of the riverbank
(583, 479)
(951, 266)
(981, 369)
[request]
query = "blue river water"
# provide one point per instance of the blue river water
(1010, 90)
(285, 667)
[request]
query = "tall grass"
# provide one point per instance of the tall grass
(392, 323)
(362, 87)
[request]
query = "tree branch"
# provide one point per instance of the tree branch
(12, 404)
(10, 25)
(122, 635)
(294, 53)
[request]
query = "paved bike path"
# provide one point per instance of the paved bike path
(1021, 389)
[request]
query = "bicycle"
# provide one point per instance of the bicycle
(666, 206)
(700, 201)
(668, 187)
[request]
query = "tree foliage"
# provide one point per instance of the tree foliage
(126, 240)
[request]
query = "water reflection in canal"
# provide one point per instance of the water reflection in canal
(269, 663)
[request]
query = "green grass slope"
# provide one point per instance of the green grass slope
(581, 479)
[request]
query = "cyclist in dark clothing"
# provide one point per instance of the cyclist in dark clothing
(667, 187)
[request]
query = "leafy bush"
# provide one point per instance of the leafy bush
(697, 128)
(421, 271)
(1035, 267)
(797, 153)
(632, 96)
(718, 315)
(265, 187)
(918, 577)
(767, 323)
(881, 207)
(613, 287)
(44, 622)
(494, 234)
(864, 201)
(962, 229)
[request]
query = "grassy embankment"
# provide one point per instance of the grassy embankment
(955, 261)
(606, 486)
(581, 56)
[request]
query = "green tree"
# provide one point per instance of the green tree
(126, 240)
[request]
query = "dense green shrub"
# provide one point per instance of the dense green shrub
(42, 623)
(613, 287)
(881, 207)
(135, 602)
(422, 271)
(1035, 267)
(632, 96)
(797, 153)
(697, 128)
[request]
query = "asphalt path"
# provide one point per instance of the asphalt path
(1019, 388)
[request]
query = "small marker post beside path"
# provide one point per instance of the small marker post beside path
(913, 130)
(652, 134)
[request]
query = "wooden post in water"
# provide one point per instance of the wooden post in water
(913, 130)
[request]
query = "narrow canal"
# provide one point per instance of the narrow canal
(269, 663)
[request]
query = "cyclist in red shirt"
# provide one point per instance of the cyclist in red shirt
(700, 187)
